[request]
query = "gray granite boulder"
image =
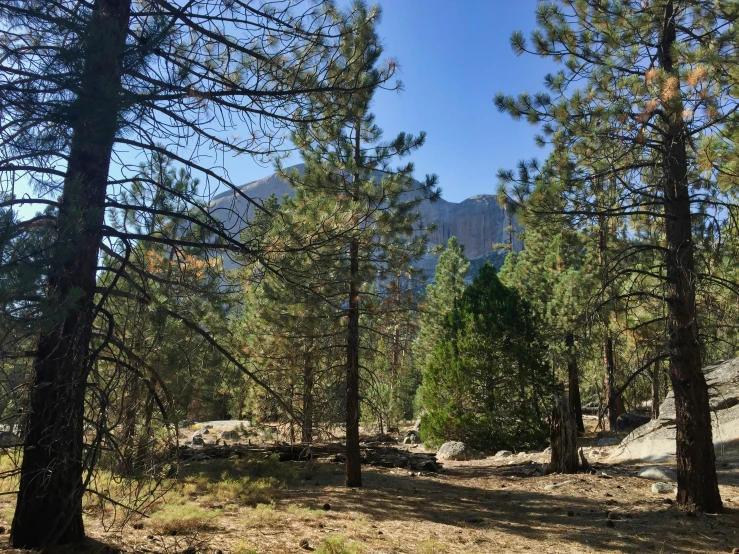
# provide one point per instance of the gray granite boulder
(655, 441)
(455, 450)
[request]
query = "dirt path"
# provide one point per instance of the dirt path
(481, 506)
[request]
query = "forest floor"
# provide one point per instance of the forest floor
(490, 505)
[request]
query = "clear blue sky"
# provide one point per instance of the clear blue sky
(454, 56)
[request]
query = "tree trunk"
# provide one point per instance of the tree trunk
(574, 383)
(563, 437)
(697, 484)
(614, 401)
(353, 453)
(49, 505)
(307, 427)
(656, 370)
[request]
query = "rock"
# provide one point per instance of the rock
(455, 450)
(477, 222)
(503, 453)
(8, 439)
(232, 435)
(658, 473)
(412, 437)
(655, 441)
(608, 441)
(197, 440)
(631, 420)
(662, 488)
(327, 506)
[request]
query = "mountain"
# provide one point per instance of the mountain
(478, 222)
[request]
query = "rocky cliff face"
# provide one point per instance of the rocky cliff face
(477, 222)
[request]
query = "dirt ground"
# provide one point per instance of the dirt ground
(490, 505)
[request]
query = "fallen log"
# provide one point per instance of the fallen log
(381, 456)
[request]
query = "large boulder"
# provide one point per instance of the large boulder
(455, 450)
(631, 420)
(655, 441)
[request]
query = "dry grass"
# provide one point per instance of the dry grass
(262, 506)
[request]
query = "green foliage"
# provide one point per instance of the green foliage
(486, 380)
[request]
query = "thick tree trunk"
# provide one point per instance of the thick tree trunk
(307, 427)
(697, 484)
(573, 388)
(563, 437)
(49, 505)
(353, 453)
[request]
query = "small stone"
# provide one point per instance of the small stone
(612, 515)
(662, 488)
(610, 523)
(379, 532)
(197, 440)
(570, 513)
(138, 526)
(327, 506)
(503, 453)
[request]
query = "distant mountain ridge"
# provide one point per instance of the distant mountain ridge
(478, 222)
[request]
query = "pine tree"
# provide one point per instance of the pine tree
(486, 380)
(83, 80)
(656, 79)
(349, 191)
(441, 299)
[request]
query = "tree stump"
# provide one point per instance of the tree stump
(563, 437)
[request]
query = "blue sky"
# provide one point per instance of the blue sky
(454, 56)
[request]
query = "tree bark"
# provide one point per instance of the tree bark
(614, 401)
(307, 427)
(49, 505)
(573, 388)
(563, 437)
(353, 453)
(697, 483)
(656, 370)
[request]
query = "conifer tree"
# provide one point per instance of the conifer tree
(83, 81)
(441, 298)
(656, 80)
(365, 209)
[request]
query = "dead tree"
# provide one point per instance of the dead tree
(563, 436)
